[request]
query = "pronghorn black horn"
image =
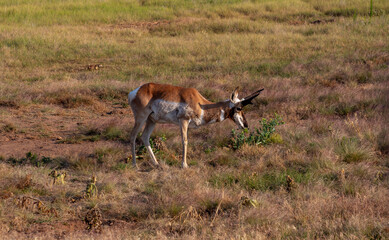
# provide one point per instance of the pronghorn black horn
(248, 100)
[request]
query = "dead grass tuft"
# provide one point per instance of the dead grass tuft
(34, 205)
(8, 127)
(24, 182)
(5, 194)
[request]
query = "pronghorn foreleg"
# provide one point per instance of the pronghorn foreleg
(184, 134)
(150, 124)
(139, 122)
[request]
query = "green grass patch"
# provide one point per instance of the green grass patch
(224, 160)
(270, 69)
(121, 167)
(33, 159)
(112, 133)
(269, 181)
(344, 109)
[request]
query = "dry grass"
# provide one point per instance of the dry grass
(324, 67)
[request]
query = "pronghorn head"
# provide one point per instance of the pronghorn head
(236, 114)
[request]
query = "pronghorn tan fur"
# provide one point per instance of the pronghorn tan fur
(154, 103)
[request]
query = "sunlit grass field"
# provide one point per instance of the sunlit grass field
(324, 67)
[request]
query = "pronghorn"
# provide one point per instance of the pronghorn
(154, 103)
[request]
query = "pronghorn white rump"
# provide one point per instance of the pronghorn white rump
(154, 103)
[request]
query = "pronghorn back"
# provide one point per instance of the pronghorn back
(153, 91)
(167, 103)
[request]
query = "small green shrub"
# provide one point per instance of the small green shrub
(262, 136)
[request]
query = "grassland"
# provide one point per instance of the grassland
(324, 67)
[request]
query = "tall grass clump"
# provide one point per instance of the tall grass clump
(383, 141)
(351, 150)
(262, 136)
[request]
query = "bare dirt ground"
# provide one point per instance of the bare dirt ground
(42, 131)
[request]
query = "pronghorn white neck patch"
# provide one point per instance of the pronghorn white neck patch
(222, 115)
(239, 119)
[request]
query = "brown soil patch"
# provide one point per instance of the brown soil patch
(40, 130)
(19, 148)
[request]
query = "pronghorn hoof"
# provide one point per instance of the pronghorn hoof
(184, 165)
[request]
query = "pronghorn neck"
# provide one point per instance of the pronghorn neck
(215, 112)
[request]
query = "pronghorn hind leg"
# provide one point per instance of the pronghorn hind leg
(139, 122)
(184, 134)
(150, 124)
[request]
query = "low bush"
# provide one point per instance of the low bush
(262, 136)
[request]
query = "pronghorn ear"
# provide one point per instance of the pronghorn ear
(248, 100)
(234, 96)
